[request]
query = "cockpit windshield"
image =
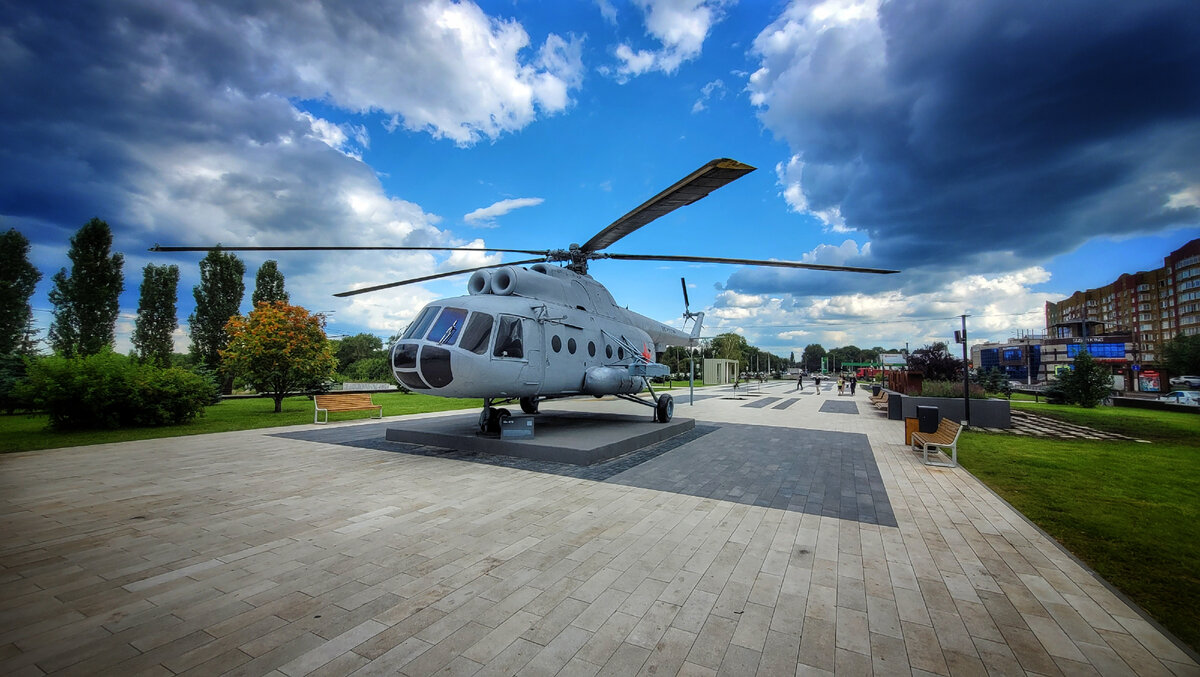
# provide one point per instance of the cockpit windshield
(448, 326)
(419, 325)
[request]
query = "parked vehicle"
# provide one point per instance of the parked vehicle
(1186, 382)
(1191, 397)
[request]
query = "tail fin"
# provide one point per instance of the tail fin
(699, 317)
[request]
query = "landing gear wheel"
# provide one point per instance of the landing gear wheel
(489, 420)
(529, 405)
(664, 409)
(494, 418)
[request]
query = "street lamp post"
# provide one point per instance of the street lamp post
(966, 372)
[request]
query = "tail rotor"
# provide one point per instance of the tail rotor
(689, 315)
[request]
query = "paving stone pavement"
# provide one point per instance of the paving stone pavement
(254, 553)
(1028, 423)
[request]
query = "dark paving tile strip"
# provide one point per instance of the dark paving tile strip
(786, 403)
(812, 471)
(836, 407)
(759, 404)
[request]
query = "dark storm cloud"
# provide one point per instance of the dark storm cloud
(997, 134)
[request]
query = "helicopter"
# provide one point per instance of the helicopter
(529, 331)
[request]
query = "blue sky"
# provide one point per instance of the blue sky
(1000, 153)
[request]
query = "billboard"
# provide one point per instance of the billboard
(892, 359)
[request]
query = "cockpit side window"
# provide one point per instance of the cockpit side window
(448, 326)
(508, 338)
(419, 325)
(477, 334)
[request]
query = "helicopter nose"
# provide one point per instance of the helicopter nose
(433, 362)
(435, 366)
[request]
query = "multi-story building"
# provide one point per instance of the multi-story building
(1020, 358)
(1126, 322)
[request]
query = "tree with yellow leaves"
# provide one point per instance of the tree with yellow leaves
(279, 349)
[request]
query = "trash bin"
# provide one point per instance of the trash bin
(875, 388)
(927, 419)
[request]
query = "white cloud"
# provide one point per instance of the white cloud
(446, 68)
(791, 177)
(716, 87)
(999, 305)
(484, 216)
(836, 255)
(338, 137)
(1188, 197)
(680, 26)
(607, 11)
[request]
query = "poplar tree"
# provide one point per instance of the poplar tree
(156, 318)
(218, 298)
(18, 278)
(268, 285)
(87, 301)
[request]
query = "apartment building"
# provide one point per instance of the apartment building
(1125, 323)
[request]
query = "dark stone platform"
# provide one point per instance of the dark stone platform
(578, 438)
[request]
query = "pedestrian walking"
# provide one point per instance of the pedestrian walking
(853, 383)
(841, 386)
(817, 381)
(799, 381)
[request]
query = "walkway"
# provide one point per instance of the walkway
(794, 533)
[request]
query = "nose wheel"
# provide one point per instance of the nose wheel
(664, 408)
(490, 417)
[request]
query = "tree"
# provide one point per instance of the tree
(358, 347)
(279, 349)
(936, 363)
(730, 346)
(840, 356)
(1088, 382)
(268, 285)
(218, 298)
(156, 318)
(18, 278)
(86, 303)
(1181, 355)
(811, 357)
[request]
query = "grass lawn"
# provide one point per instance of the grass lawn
(23, 432)
(1128, 509)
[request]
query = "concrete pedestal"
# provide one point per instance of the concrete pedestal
(579, 438)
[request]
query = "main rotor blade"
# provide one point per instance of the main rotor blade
(389, 285)
(683, 283)
(692, 187)
(745, 262)
(161, 248)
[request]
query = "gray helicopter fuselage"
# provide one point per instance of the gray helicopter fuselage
(542, 331)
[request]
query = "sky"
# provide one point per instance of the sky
(1001, 153)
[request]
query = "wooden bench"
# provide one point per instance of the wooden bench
(881, 402)
(945, 439)
(343, 402)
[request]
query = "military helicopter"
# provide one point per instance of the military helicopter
(529, 334)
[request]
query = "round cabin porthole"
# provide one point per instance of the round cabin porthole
(608, 351)
(556, 344)
(571, 346)
(591, 348)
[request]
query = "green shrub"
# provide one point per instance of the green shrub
(108, 390)
(12, 373)
(951, 389)
(369, 370)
